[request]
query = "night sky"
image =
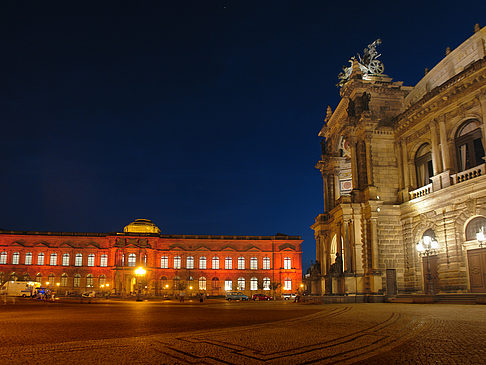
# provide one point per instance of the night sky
(201, 116)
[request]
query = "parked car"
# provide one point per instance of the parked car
(232, 295)
(89, 294)
(261, 297)
(288, 296)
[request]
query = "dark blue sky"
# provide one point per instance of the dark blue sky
(200, 115)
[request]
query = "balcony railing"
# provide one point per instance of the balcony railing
(424, 190)
(468, 174)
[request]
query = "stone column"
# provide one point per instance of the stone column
(435, 148)
(354, 165)
(482, 103)
(398, 155)
(326, 193)
(332, 193)
(369, 170)
(349, 246)
(374, 244)
(444, 148)
(406, 172)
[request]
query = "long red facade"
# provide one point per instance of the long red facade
(77, 262)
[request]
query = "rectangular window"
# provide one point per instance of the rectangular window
(3, 258)
(202, 263)
(202, 283)
(228, 285)
(104, 260)
(64, 280)
(241, 263)
(190, 262)
(177, 262)
(228, 263)
(164, 262)
(287, 263)
(288, 284)
(15, 258)
(40, 259)
(28, 258)
(53, 260)
(216, 263)
(254, 284)
(77, 281)
(253, 263)
(65, 259)
(78, 260)
(91, 260)
(266, 263)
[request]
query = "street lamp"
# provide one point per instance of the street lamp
(427, 246)
(481, 238)
(140, 272)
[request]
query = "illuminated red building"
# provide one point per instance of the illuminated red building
(78, 262)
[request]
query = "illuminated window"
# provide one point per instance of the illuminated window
(202, 263)
(215, 283)
(15, 258)
(132, 260)
(144, 260)
(241, 284)
(288, 284)
(28, 258)
(3, 258)
(77, 281)
(38, 278)
(40, 259)
(474, 226)
(177, 262)
(164, 284)
(253, 284)
(228, 263)
(64, 279)
(215, 262)
(51, 279)
(228, 285)
(202, 283)
(287, 263)
(65, 259)
(102, 280)
(91, 259)
(266, 283)
(78, 259)
(469, 148)
(177, 283)
(104, 260)
(164, 262)
(89, 281)
(190, 262)
(253, 263)
(266, 263)
(241, 263)
(423, 165)
(53, 259)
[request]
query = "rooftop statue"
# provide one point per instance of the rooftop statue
(368, 64)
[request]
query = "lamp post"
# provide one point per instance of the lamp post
(481, 238)
(140, 272)
(425, 247)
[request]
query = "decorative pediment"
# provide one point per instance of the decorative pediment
(93, 244)
(131, 242)
(177, 247)
(228, 248)
(202, 248)
(286, 247)
(18, 244)
(41, 243)
(67, 244)
(253, 248)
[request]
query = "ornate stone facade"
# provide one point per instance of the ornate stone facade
(78, 262)
(400, 163)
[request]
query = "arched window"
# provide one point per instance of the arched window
(132, 260)
(3, 258)
(65, 259)
(202, 283)
(64, 279)
(228, 263)
(266, 263)
(28, 258)
(164, 262)
(91, 259)
(38, 278)
(288, 284)
(164, 284)
(241, 263)
(78, 259)
(215, 283)
(26, 277)
(51, 279)
(228, 285)
(241, 284)
(287, 263)
(469, 148)
(40, 259)
(423, 165)
(202, 263)
(253, 263)
(102, 281)
(13, 277)
(253, 284)
(89, 281)
(215, 263)
(77, 281)
(190, 262)
(53, 259)
(177, 283)
(474, 226)
(104, 260)
(177, 262)
(15, 258)
(266, 283)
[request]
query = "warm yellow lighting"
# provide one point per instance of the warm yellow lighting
(47, 283)
(190, 287)
(140, 271)
(301, 285)
(167, 286)
(58, 284)
(107, 284)
(102, 285)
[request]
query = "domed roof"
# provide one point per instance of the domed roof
(141, 226)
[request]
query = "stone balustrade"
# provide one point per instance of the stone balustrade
(424, 190)
(469, 174)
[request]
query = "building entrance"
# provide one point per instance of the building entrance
(477, 270)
